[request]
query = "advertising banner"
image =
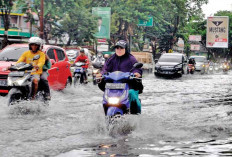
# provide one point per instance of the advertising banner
(195, 38)
(103, 23)
(195, 47)
(217, 32)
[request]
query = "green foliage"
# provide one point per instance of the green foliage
(6, 7)
(171, 18)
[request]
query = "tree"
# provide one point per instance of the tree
(78, 23)
(65, 16)
(6, 7)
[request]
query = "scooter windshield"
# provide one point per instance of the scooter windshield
(117, 76)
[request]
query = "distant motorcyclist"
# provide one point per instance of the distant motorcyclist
(99, 58)
(123, 61)
(192, 61)
(83, 58)
(35, 44)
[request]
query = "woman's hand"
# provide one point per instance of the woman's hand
(137, 75)
(99, 75)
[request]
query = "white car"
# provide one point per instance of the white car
(72, 55)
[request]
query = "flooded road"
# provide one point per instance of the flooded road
(188, 116)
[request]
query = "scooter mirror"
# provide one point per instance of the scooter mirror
(36, 57)
(52, 61)
(138, 65)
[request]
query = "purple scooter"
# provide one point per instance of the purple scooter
(116, 95)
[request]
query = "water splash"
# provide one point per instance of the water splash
(28, 108)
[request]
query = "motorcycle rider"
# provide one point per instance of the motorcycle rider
(83, 58)
(123, 61)
(192, 61)
(99, 58)
(35, 44)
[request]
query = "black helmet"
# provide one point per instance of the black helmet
(82, 50)
(123, 44)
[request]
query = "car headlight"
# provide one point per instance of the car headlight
(113, 100)
(157, 66)
(9, 82)
(178, 66)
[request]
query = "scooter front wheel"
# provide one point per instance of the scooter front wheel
(75, 81)
(14, 95)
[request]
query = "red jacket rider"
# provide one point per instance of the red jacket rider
(83, 58)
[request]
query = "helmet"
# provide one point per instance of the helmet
(99, 54)
(35, 40)
(123, 44)
(82, 50)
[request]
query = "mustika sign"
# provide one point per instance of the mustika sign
(217, 32)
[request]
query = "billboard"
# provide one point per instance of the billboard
(195, 38)
(217, 32)
(195, 47)
(103, 23)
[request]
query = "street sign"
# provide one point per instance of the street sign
(101, 40)
(195, 38)
(103, 48)
(146, 23)
(103, 25)
(195, 47)
(217, 32)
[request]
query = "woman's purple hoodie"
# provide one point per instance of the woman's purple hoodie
(123, 63)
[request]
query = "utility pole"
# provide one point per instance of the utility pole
(41, 18)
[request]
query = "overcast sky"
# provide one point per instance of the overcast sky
(215, 5)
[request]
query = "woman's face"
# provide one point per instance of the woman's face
(120, 51)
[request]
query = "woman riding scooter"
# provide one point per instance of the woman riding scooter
(123, 61)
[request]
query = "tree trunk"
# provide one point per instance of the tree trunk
(5, 16)
(69, 41)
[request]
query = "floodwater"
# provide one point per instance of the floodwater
(188, 116)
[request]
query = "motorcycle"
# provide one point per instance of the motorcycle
(20, 82)
(116, 95)
(216, 67)
(191, 68)
(225, 68)
(78, 73)
(211, 69)
(96, 70)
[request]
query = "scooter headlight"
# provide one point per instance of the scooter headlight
(113, 100)
(95, 71)
(21, 81)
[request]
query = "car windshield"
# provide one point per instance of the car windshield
(170, 58)
(199, 59)
(12, 53)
